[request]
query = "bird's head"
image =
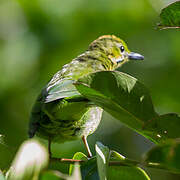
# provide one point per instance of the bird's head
(114, 50)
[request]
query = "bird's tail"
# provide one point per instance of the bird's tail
(34, 119)
(33, 127)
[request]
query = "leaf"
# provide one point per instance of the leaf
(165, 156)
(77, 156)
(51, 175)
(115, 156)
(170, 16)
(121, 95)
(164, 127)
(102, 155)
(30, 160)
(88, 169)
(125, 171)
(76, 173)
(125, 98)
(57, 175)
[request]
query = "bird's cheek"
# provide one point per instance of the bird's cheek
(119, 59)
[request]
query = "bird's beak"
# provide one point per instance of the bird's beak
(135, 56)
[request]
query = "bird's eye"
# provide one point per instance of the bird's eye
(122, 48)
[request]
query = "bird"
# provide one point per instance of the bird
(60, 113)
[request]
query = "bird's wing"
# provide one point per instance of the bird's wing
(61, 89)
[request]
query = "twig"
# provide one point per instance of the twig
(67, 161)
(112, 163)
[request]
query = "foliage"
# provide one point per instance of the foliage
(170, 16)
(117, 93)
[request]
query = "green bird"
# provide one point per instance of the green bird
(60, 112)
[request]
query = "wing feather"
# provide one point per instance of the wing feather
(61, 89)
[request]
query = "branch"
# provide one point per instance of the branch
(66, 161)
(111, 163)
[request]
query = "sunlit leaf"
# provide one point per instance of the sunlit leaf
(77, 156)
(125, 171)
(116, 156)
(165, 156)
(31, 158)
(102, 155)
(170, 16)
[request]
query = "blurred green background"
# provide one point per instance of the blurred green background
(38, 37)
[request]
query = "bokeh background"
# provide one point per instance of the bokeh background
(38, 37)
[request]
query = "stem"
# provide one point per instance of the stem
(156, 165)
(67, 161)
(111, 163)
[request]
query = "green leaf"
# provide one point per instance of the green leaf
(164, 127)
(115, 156)
(51, 175)
(57, 175)
(31, 158)
(102, 155)
(76, 174)
(121, 95)
(125, 98)
(170, 16)
(127, 171)
(77, 156)
(165, 156)
(88, 168)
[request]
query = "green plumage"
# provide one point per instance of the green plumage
(60, 112)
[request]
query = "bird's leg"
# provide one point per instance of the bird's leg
(84, 138)
(49, 148)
